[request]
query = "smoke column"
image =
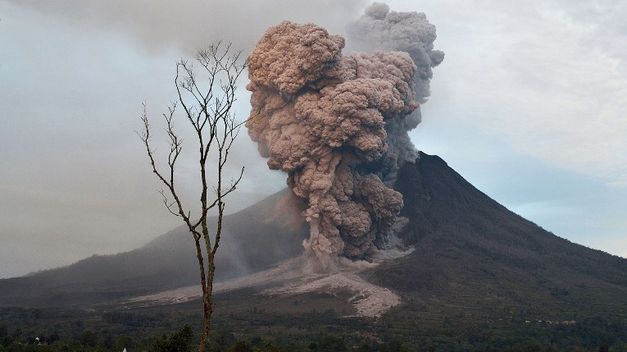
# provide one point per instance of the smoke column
(337, 126)
(380, 29)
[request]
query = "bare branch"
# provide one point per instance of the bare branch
(145, 137)
(167, 203)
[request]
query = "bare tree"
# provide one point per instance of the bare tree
(206, 102)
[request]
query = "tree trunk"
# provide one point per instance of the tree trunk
(207, 303)
(207, 310)
(206, 297)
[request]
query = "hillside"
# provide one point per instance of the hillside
(477, 261)
(480, 278)
(463, 239)
(480, 275)
(253, 239)
(470, 253)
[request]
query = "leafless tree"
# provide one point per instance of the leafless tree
(205, 101)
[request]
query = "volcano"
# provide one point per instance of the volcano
(473, 260)
(466, 246)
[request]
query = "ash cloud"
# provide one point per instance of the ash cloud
(337, 125)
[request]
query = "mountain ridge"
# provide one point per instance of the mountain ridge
(479, 267)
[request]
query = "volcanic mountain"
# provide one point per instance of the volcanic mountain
(472, 257)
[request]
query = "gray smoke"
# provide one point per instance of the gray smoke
(380, 29)
(192, 24)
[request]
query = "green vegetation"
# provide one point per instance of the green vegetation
(255, 327)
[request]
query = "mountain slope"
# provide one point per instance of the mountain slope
(253, 239)
(470, 252)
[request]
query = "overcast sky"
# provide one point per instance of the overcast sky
(529, 105)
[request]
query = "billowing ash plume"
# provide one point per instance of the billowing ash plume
(334, 123)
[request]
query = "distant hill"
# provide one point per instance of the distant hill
(254, 239)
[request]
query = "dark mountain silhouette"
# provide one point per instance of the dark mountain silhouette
(471, 255)
(474, 254)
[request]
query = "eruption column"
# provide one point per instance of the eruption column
(325, 120)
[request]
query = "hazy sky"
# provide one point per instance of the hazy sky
(529, 105)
